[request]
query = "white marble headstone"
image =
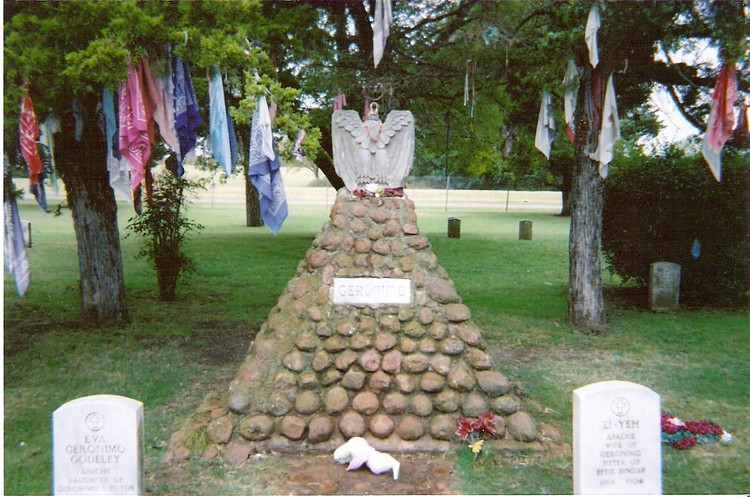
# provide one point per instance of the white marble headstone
(616, 439)
(97, 447)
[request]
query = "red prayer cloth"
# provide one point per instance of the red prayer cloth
(29, 134)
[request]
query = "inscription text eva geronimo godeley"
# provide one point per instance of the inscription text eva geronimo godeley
(97, 447)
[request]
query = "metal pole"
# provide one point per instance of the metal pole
(447, 146)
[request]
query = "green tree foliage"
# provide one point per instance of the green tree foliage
(659, 208)
(518, 50)
(304, 52)
(69, 50)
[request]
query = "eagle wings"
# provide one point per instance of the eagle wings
(372, 152)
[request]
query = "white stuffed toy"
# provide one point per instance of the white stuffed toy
(357, 452)
(354, 452)
(380, 462)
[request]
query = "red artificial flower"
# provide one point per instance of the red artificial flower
(464, 427)
(487, 423)
(704, 427)
(684, 443)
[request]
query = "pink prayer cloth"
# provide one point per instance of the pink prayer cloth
(339, 102)
(721, 119)
(135, 144)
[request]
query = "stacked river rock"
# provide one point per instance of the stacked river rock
(319, 373)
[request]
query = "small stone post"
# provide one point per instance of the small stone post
(524, 229)
(454, 227)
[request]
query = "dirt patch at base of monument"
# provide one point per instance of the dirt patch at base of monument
(304, 474)
(320, 474)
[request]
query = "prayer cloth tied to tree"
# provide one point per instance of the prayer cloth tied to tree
(29, 131)
(721, 119)
(264, 169)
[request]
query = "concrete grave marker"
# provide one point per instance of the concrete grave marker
(97, 447)
(525, 228)
(616, 439)
(454, 227)
(664, 286)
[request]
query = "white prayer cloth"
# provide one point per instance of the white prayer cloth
(264, 128)
(713, 159)
(570, 83)
(545, 126)
(117, 165)
(593, 24)
(380, 28)
(610, 131)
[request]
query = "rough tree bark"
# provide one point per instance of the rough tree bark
(585, 293)
(252, 204)
(82, 166)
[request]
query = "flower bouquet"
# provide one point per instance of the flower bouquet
(474, 432)
(684, 435)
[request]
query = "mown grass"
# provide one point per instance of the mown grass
(170, 355)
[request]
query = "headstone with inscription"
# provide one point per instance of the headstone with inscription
(97, 446)
(664, 286)
(616, 439)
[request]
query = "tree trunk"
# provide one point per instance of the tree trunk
(325, 162)
(566, 200)
(166, 279)
(82, 165)
(564, 167)
(567, 187)
(252, 206)
(585, 295)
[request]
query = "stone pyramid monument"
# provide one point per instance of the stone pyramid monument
(370, 339)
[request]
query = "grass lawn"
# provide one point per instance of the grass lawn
(170, 355)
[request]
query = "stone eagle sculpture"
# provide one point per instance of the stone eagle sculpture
(372, 155)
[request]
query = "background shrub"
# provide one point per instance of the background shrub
(656, 208)
(163, 228)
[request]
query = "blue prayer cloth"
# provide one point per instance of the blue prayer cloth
(265, 175)
(218, 125)
(16, 262)
(233, 151)
(186, 114)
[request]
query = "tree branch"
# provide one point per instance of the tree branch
(689, 117)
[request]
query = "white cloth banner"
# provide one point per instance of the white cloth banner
(593, 24)
(610, 131)
(545, 126)
(380, 28)
(570, 84)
